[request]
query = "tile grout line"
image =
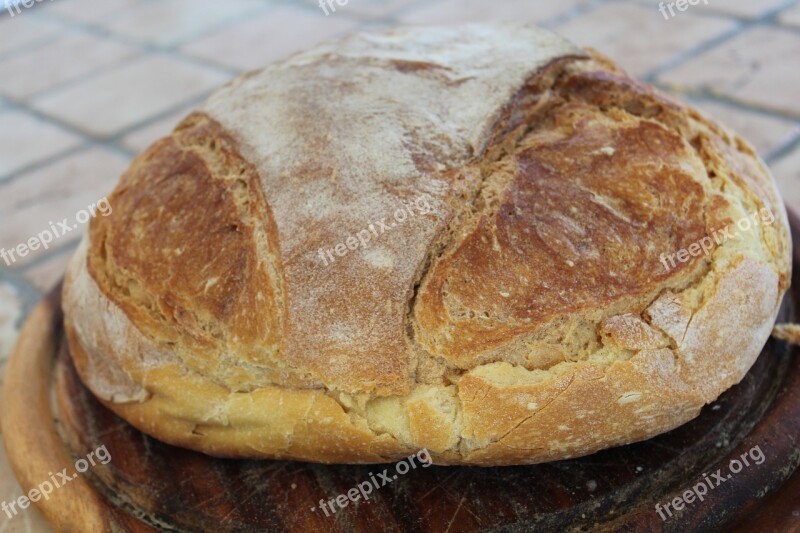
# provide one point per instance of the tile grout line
(787, 148)
(704, 93)
(28, 294)
(677, 60)
(741, 26)
(88, 140)
(720, 98)
(142, 52)
(135, 56)
(40, 259)
(30, 47)
(574, 12)
(43, 162)
(170, 50)
(112, 142)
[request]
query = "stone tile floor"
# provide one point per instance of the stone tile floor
(86, 84)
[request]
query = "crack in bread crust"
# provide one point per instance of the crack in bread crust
(485, 359)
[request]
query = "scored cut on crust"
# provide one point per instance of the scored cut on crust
(528, 314)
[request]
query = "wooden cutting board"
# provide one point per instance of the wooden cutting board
(51, 419)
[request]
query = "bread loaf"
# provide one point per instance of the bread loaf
(479, 240)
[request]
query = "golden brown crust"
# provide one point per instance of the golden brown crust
(190, 201)
(593, 203)
(530, 316)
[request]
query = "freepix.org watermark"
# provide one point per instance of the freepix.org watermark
(680, 5)
(13, 6)
(44, 238)
(375, 229)
(365, 488)
(707, 244)
(56, 481)
(324, 5)
(699, 491)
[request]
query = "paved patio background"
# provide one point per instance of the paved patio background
(86, 84)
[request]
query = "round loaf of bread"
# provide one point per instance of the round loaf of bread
(481, 240)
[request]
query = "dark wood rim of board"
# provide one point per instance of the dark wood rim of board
(40, 386)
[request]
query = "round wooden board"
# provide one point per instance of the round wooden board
(51, 419)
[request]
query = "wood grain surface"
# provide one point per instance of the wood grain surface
(50, 420)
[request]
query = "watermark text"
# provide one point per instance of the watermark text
(680, 5)
(700, 490)
(56, 230)
(56, 481)
(375, 229)
(707, 244)
(365, 488)
(324, 5)
(13, 6)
